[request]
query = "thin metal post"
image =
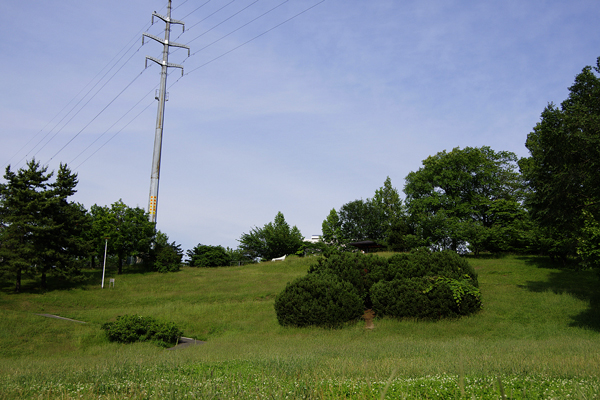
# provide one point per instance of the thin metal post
(160, 115)
(104, 267)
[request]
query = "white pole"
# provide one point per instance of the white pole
(104, 268)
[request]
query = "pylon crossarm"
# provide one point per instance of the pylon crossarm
(159, 40)
(163, 42)
(161, 63)
(167, 19)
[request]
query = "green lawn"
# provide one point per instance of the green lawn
(538, 336)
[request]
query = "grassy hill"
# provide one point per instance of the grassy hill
(538, 336)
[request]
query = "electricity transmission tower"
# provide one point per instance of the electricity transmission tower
(161, 97)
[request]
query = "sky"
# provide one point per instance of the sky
(292, 106)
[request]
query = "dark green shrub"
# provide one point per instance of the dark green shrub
(425, 298)
(135, 328)
(423, 262)
(208, 256)
(319, 300)
(168, 259)
(360, 270)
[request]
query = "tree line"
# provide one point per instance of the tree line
(477, 199)
(42, 233)
(474, 199)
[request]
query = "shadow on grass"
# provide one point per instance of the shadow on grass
(583, 285)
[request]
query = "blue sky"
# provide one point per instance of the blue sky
(311, 115)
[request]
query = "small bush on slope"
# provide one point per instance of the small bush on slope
(135, 328)
(319, 300)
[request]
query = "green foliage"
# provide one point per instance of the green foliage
(136, 328)
(425, 298)
(381, 219)
(208, 256)
(166, 256)
(428, 285)
(360, 270)
(128, 230)
(588, 247)
(421, 284)
(332, 230)
(465, 196)
(40, 231)
(318, 300)
(562, 170)
(274, 240)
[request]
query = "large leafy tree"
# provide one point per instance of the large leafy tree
(128, 230)
(362, 220)
(563, 170)
(380, 219)
(275, 239)
(463, 196)
(208, 256)
(40, 230)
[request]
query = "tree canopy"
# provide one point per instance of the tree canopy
(41, 232)
(563, 169)
(379, 219)
(128, 230)
(465, 196)
(275, 239)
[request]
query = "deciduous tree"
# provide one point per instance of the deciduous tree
(273, 240)
(461, 197)
(563, 169)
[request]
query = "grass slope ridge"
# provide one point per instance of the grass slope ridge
(538, 336)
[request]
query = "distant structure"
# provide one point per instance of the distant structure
(161, 97)
(314, 239)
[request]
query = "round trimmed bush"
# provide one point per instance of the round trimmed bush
(425, 298)
(423, 262)
(360, 270)
(319, 300)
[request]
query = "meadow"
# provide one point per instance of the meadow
(537, 337)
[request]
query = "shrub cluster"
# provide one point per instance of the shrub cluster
(136, 328)
(420, 284)
(206, 256)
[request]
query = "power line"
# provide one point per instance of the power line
(116, 133)
(97, 115)
(190, 13)
(80, 100)
(109, 128)
(225, 20)
(254, 38)
(187, 73)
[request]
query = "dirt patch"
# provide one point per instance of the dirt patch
(186, 342)
(368, 316)
(63, 318)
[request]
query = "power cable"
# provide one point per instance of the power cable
(174, 83)
(97, 115)
(248, 41)
(77, 95)
(113, 136)
(112, 126)
(190, 13)
(225, 20)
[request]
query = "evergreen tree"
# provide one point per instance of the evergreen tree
(40, 231)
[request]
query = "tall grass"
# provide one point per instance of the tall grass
(536, 337)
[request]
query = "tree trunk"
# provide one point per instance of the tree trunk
(18, 283)
(120, 265)
(43, 283)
